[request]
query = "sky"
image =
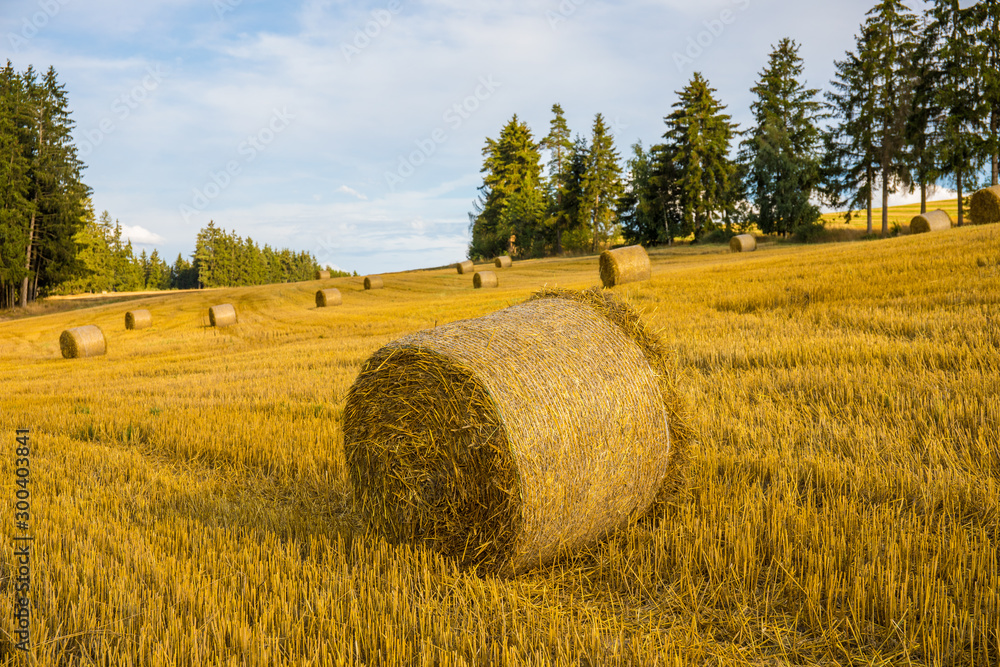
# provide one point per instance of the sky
(354, 130)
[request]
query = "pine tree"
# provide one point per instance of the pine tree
(511, 166)
(987, 17)
(602, 185)
(850, 152)
(924, 117)
(15, 183)
(891, 27)
(57, 193)
(560, 148)
(960, 96)
(698, 139)
(781, 151)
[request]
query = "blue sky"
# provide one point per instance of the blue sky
(354, 130)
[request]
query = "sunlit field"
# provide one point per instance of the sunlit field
(191, 504)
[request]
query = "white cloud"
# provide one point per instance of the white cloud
(140, 235)
(351, 191)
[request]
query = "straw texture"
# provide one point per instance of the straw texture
(932, 221)
(322, 275)
(624, 265)
(138, 319)
(743, 243)
(485, 279)
(85, 341)
(222, 315)
(503, 262)
(373, 282)
(465, 267)
(511, 439)
(328, 297)
(984, 206)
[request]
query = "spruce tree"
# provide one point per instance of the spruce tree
(850, 152)
(987, 17)
(891, 27)
(781, 151)
(924, 117)
(698, 139)
(960, 96)
(602, 184)
(512, 166)
(560, 147)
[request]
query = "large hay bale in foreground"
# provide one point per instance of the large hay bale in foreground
(222, 315)
(465, 267)
(138, 319)
(85, 341)
(322, 275)
(932, 221)
(503, 262)
(328, 297)
(624, 265)
(743, 243)
(984, 206)
(373, 282)
(485, 279)
(511, 439)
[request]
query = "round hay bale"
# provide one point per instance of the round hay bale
(138, 319)
(511, 439)
(485, 279)
(85, 341)
(984, 206)
(322, 275)
(743, 243)
(932, 221)
(373, 282)
(624, 265)
(328, 297)
(222, 315)
(503, 262)
(465, 267)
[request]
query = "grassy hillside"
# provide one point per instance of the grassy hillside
(190, 497)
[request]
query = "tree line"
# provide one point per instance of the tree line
(50, 241)
(108, 263)
(42, 196)
(915, 103)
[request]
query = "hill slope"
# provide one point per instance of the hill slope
(189, 495)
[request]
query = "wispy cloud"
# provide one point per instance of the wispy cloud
(351, 191)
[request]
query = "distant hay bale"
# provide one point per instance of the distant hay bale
(373, 282)
(984, 206)
(511, 439)
(328, 297)
(222, 315)
(465, 267)
(85, 341)
(503, 262)
(743, 243)
(624, 265)
(485, 279)
(322, 275)
(138, 319)
(932, 221)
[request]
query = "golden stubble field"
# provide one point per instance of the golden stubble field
(191, 505)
